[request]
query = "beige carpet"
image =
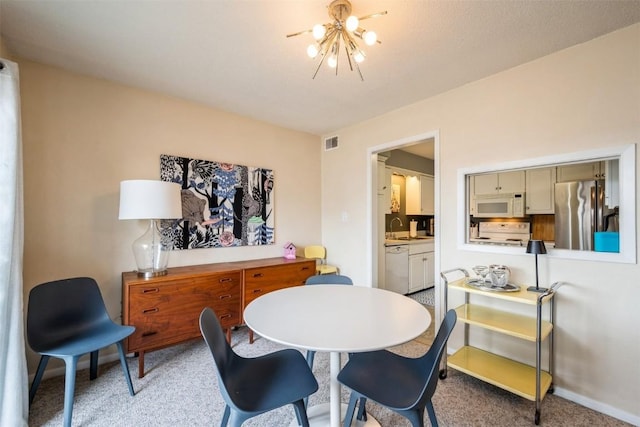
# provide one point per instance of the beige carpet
(180, 389)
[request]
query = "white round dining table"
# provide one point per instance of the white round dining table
(335, 319)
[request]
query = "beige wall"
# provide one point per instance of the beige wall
(582, 98)
(82, 136)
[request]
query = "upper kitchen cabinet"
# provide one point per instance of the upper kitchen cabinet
(581, 171)
(540, 191)
(427, 194)
(420, 195)
(496, 183)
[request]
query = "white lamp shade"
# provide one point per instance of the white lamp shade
(148, 199)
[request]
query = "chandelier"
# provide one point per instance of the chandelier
(341, 32)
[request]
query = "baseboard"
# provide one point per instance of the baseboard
(82, 364)
(597, 406)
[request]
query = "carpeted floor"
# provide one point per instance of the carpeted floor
(180, 389)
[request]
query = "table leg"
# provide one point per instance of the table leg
(334, 389)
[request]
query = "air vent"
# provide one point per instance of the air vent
(331, 143)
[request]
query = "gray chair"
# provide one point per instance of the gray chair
(253, 386)
(67, 319)
(329, 279)
(325, 279)
(404, 385)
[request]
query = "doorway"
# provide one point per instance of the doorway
(423, 145)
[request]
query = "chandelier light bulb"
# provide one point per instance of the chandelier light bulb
(358, 55)
(352, 23)
(312, 50)
(370, 38)
(319, 31)
(332, 61)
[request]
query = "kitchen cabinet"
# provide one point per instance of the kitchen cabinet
(529, 382)
(420, 195)
(581, 171)
(421, 266)
(497, 183)
(540, 191)
(165, 309)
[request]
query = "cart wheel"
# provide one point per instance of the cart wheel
(443, 374)
(551, 390)
(537, 417)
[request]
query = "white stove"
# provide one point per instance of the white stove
(503, 233)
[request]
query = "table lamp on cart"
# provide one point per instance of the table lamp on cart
(536, 247)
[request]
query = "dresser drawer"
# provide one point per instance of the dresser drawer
(259, 281)
(168, 312)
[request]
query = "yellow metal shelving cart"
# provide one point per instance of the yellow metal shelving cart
(530, 382)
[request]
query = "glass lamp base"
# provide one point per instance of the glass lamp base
(151, 251)
(149, 274)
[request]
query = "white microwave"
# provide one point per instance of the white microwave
(509, 205)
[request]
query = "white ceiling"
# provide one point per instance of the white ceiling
(233, 54)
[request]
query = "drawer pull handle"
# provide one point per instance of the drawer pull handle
(148, 334)
(150, 290)
(257, 291)
(226, 280)
(225, 316)
(225, 296)
(150, 310)
(305, 268)
(257, 275)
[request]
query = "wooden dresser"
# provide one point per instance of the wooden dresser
(165, 310)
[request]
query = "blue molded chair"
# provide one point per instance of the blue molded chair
(67, 319)
(253, 386)
(325, 279)
(404, 385)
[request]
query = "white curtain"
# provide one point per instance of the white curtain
(14, 404)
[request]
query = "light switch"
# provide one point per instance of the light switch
(344, 216)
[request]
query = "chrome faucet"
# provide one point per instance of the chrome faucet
(391, 225)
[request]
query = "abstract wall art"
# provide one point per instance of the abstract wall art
(223, 204)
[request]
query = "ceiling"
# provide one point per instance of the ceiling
(233, 54)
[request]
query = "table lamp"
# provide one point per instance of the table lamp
(152, 200)
(536, 247)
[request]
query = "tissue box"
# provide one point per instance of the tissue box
(606, 241)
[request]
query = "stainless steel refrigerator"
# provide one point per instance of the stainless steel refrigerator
(580, 211)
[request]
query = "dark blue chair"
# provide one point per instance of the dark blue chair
(67, 319)
(328, 279)
(404, 385)
(253, 386)
(325, 279)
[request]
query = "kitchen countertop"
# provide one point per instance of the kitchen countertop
(408, 240)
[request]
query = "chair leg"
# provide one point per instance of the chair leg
(348, 416)
(415, 417)
(362, 409)
(432, 414)
(310, 357)
(38, 377)
(93, 365)
(69, 387)
(225, 416)
(301, 413)
(125, 367)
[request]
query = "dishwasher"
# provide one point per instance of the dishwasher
(397, 268)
